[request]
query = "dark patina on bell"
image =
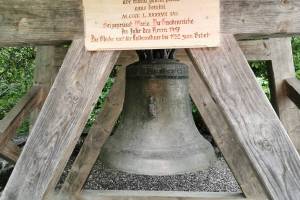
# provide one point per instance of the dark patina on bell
(157, 134)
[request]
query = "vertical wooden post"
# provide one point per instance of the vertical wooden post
(283, 68)
(48, 61)
(60, 123)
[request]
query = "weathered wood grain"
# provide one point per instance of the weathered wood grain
(293, 91)
(10, 152)
(283, 68)
(48, 61)
(255, 49)
(97, 136)
(224, 136)
(249, 113)
(149, 195)
(13, 119)
(40, 21)
(57, 21)
(62, 119)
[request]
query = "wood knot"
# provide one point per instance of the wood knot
(71, 98)
(265, 145)
(283, 26)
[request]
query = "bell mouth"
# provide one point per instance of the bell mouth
(178, 160)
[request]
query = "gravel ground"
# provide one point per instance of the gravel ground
(216, 179)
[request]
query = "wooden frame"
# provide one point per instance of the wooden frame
(257, 188)
(233, 106)
(256, 181)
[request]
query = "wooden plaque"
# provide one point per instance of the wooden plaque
(151, 24)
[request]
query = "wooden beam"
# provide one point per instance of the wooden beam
(249, 113)
(48, 61)
(224, 136)
(58, 21)
(60, 123)
(293, 90)
(149, 195)
(11, 152)
(10, 123)
(255, 49)
(97, 136)
(283, 68)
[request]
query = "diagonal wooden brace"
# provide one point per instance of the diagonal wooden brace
(293, 90)
(224, 136)
(257, 128)
(14, 118)
(60, 123)
(10, 152)
(97, 136)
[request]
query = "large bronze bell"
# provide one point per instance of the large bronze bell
(157, 134)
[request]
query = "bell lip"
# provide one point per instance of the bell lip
(166, 166)
(210, 162)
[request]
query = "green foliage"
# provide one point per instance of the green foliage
(260, 70)
(16, 69)
(99, 104)
(296, 52)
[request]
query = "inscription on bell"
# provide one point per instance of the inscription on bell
(175, 72)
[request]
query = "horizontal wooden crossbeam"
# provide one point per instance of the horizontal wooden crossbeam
(293, 90)
(57, 21)
(149, 195)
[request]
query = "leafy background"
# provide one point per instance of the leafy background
(16, 77)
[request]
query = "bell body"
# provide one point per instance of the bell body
(157, 134)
